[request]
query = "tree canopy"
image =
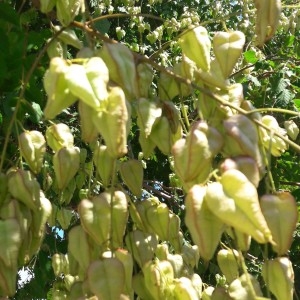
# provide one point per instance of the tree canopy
(149, 149)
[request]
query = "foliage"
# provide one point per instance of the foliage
(149, 149)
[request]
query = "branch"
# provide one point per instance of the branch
(143, 59)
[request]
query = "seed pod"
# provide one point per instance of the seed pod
(138, 213)
(184, 289)
(205, 228)
(10, 242)
(142, 246)
(176, 260)
(245, 164)
(39, 219)
(106, 278)
(132, 173)
(207, 293)
(267, 19)
(104, 164)
(271, 142)
(56, 48)
(66, 163)
(56, 87)
(69, 37)
(80, 86)
(112, 122)
(161, 135)
(278, 274)
(235, 201)
(239, 289)
(221, 293)
(88, 131)
(60, 264)
(24, 187)
(119, 217)
(241, 138)
(68, 10)
(122, 69)
(241, 239)
(197, 284)
(292, 129)
(98, 75)
(228, 261)
(79, 247)
(148, 113)
(168, 87)
(47, 5)
(195, 44)
(193, 155)
(158, 219)
(185, 69)
(59, 136)
(140, 288)
(228, 47)
(64, 217)
(69, 281)
(145, 79)
(190, 254)
(33, 147)
(213, 79)
(174, 234)
(158, 277)
(126, 259)
(3, 187)
(281, 206)
(146, 144)
(104, 216)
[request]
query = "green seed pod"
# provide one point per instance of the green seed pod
(68, 10)
(59, 136)
(69, 37)
(281, 206)
(195, 44)
(158, 277)
(112, 122)
(142, 246)
(33, 147)
(278, 274)
(56, 87)
(228, 47)
(122, 69)
(228, 261)
(205, 228)
(24, 187)
(132, 173)
(184, 289)
(66, 163)
(47, 5)
(106, 278)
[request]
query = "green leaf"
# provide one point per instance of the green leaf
(34, 110)
(102, 25)
(254, 80)
(8, 14)
(297, 103)
(250, 57)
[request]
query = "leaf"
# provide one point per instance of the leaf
(250, 57)
(9, 14)
(36, 112)
(297, 103)
(106, 278)
(254, 80)
(102, 26)
(285, 97)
